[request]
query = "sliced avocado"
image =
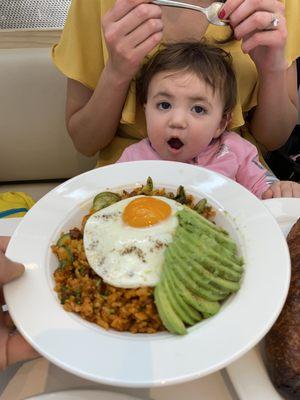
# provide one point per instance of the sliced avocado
(195, 220)
(200, 304)
(175, 305)
(217, 262)
(192, 217)
(201, 275)
(105, 199)
(230, 256)
(206, 268)
(180, 270)
(198, 278)
(188, 309)
(215, 281)
(168, 316)
(210, 241)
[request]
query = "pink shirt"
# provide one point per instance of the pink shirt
(230, 155)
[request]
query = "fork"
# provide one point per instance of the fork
(211, 12)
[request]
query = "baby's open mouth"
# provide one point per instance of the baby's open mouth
(175, 143)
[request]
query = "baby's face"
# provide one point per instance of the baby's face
(183, 115)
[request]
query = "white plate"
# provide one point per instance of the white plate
(83, 395)
(286, 211)
(123, 359)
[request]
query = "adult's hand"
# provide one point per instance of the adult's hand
(132, 28)
(13, 347)
(251, 21)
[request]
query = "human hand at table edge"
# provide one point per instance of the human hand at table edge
(282, 189)
(13, 347)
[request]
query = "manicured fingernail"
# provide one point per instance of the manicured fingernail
(222, 14)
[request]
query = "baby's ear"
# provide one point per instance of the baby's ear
(225, 121)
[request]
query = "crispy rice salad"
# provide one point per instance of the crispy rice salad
(82, 291)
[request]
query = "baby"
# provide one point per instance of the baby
(188, 91)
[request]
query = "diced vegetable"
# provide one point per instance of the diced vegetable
(105, 199)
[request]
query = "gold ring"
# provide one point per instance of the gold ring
(273, 24)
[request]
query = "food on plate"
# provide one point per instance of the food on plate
(105, 199)
(200, 268)
(282, 343)
(125, 242)
(147, 260)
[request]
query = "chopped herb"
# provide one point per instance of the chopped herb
(181, 196)
(62, 264)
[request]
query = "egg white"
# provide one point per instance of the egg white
(125, 256)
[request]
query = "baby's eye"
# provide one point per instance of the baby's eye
(198, 109)
(163, 105)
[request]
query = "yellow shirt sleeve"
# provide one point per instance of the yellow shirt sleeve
(81, 55)
(292, 14)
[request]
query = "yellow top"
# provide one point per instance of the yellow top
(81, 55)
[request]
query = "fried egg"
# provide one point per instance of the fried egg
(125, 242)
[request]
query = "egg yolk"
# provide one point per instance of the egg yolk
(145, 211)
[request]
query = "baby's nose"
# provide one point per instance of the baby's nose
(178, 119)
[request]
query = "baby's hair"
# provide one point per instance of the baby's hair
(208, 62)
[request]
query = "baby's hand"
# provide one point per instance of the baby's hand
(282, 189)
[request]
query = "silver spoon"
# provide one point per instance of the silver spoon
(211, 12)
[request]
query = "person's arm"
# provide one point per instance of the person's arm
(276, 113)
(131, 30)
(92, 118)
(13, 347)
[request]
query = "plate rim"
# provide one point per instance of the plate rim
(157, 382)
(50, 396)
